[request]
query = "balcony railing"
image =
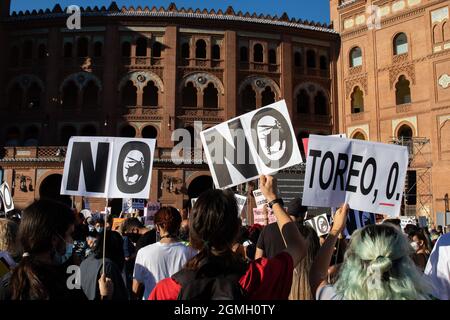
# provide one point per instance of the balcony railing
(58, 153)
(312, 118)
(202, 112)
(137, 62)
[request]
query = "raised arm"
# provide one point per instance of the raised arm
(294, 241)
(319, 270)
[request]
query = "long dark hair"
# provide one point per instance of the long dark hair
(113, 248)
(214, 224)
(41, 222)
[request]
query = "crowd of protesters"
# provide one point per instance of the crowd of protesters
(52, 253)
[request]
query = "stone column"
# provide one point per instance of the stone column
(170, 84)
(230, 75)
(286, 71)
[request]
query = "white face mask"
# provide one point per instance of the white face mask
(415, 246)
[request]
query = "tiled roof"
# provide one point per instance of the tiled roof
(173, 12)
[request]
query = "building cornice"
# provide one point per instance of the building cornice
(172, 12)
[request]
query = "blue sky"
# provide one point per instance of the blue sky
(316, 10)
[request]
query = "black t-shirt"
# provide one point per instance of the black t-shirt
(271, 241)
(146, 239)
(54, 279)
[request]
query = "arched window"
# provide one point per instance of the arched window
(98, 49)
(248, 98)
(357, 100)
(303, 102)
(150, 97)
(268, 97)
(320, 104)
(359, 136)
(14, 56)
(89, 131)
(210, 97)
(185, 50)
(66, 133)
(70, 95)
(128, 132)
(15, 97)
(34, 93)
(405, 132)
(311, 59)
(68, 48)
(156, 49)
(437, 34)
(323, 63)
(402, 91)
(28, 49)
(258, 53)
(31, 136)
(42, 51)
(446, 30)
(272, 56)
(129, 94)
(216, 52)
(200, 49)
(356, 57)
(243, 53)
(298, 59)
(126, 49)
(141, 47)
(400, 44)
(149, 132)
(90, 95)
(189, 96)
(12, 137)
(82, 47)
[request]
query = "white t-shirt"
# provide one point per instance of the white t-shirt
(158, 261)
(438, 268)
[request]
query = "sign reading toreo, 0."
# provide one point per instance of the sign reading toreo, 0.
(107, 167)
(369, 176)
(258, 142)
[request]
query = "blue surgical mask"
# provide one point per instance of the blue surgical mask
(99, 229)
(60, 259)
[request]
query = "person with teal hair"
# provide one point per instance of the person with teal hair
(376, 266)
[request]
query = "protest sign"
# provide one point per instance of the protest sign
(138, 204)
(305, 142)
(405, 220)
(355, 172)
(241, 200)
(149, 213)
(357, 220)
(259, 142)
(86, 203)
(108, 167)
(127, 205)
(117, 222)
(258, 216)
(5, 195)
(259, 199)
(423, 222)
(320, 224)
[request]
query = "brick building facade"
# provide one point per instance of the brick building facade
(143, 72)
(394, 86)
